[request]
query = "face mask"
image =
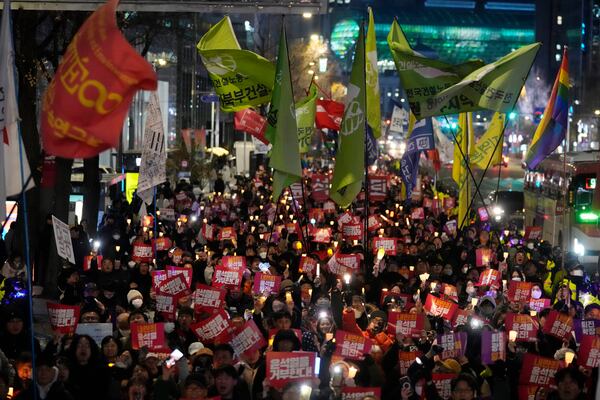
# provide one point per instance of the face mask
(323, 303)
(530, 246)
(448, 272)
(471, 289)
(262, 254)
(169, 327)
(577, 272)
(516, 278)
(109, 295)
(278, 306)
(465, 269)
(116, 236)
(536, 294)
(357, 313)
(137, 303)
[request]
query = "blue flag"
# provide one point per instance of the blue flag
(421, 139)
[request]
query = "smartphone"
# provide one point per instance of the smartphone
(406, 384)
(173, 358)
(264, 267)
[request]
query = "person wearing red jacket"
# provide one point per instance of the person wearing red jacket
(375, 330)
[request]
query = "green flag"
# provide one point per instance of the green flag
(281, 126)
(348, 173)
(305, 118)
(241, 78)
(436, 88)
(373, 97)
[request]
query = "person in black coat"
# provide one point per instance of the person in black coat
(14, 338)
(48, 387)
(88, 377)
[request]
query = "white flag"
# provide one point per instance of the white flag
(11, 179)
(444, 145)
(399, 115)
(154, 156)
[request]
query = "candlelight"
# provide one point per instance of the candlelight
(363, 292)
(335, 243)
(380, 253)
(391, 214)
(533, 313)
(145, 228)
(352, 372)
(436, 234)
(504, 282)
(269, 223)
(512, 336)
(261, 236)
(411, 268)
(355, 242)
(424, 277)
(288, 297)
(474, 301)
(158, 213)
(328, 336)
(505, 255)
(347, 279)
(161, 234)
(310, 292)
(118, 248)
(569, 355)
(433, 286)
(318, 269)
(128, 221)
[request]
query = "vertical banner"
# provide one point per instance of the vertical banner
(493, 347)
(153, 165)
(62, 237)
(443, 384)
(589, 352)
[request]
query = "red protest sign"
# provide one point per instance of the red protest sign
(329, 207)
(185, 272)
(378, 187)
(317, 214)
(454, 344)
(227, 233)
(539, 304)
(519, 291)
(359, 393)
(440, 308)
(320, 188)
(308, 265)
(538, 370)
(528, 392)
(234, 262)
(589, 352)
(388, 244)
(209, 299)
(157, 278)
(405, 323)
(351, 346)
(418, 213)
(63, 318)
(248, 338)
(226, 277)
(525, 326)
(142, 253)
(461, 317)
(373, 223)
(483, 257)
(266, 284)
(86, 103)
(352, 231)
(320, 235)
(208, 232)
(147, 335)
(341, 264)
(533, 233)
(248, 120)
(177, 256)
(345, 218)
(162, 244)
(490, 277)
(87, 262)
(558, 325)
(284, 367)
(165, 304)
(174, 286)
(493, 346)
(443, 384)
(209, 329)
(405, 360)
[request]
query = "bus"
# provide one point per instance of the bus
(576, 228)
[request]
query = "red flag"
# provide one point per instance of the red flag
(329, 114)
(434, 156)
(87, 101)
(251, 122)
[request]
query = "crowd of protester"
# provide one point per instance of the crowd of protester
(310, 307)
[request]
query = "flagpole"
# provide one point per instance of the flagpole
(366, 155)
(155, 222)
(466, 162)
(305, 212)
(15, 205)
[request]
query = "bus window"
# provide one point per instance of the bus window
(583, 198)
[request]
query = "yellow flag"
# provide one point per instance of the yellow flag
(460, 174)
(490, 144)
(372, 77)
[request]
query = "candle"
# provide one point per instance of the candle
(424, 277)
(474, 301)
(288, 297)
(310, 292)
(433, 286)
(411, 268)
(363, 292)
(505, 255)
(328, 336)
(318, 269)
(380, 253)
(347, 279)
(569, 355)
(512, 336)
(352, 372)
(504, 282)
(533, 313)
(128, 221)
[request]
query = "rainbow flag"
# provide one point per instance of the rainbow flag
(553, 127)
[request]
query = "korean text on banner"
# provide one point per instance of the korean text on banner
(86, 103)
(62, 237)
